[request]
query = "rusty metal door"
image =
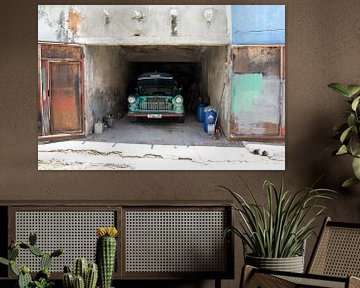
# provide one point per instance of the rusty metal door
(65, 96)
(257, 93)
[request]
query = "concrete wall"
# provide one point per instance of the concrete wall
(115, 24)
(258, 24)
(215, 82)
(104, 83)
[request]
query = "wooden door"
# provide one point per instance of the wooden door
(44, 98)
(65, 96)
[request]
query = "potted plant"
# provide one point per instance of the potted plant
(276, 233)
(84, 274)
(106, 254)
(42, 278)
(348, 133)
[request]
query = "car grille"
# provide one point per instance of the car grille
(155, 104)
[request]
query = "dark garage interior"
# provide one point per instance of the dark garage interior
(187, 74)
(199, 70)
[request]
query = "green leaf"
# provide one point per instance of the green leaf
(349, 182)
(354, 146)
(45, 261)
(342, 150)
(351, 120)
(345, 134)
(14, 268)
(356, 167)
(353, 89)
(32, 238)
(36, 251)
(4, 261)
(13, 253)
(340, 127)
(340, 88)
(23, 245)
(355, 103)
(279, 228)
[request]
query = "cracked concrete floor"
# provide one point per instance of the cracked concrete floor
(161, 132)
(158, 145)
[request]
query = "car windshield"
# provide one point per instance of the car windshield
(156, 86)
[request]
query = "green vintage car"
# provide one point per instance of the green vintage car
(156, 96)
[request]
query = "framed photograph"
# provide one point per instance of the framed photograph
(161, 87)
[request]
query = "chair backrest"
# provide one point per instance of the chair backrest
(337, 251)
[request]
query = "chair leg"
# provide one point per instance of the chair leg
(246, 274)
(354, 282)
(250, 278)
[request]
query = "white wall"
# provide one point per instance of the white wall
(94, 27)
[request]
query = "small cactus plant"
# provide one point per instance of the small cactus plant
(79, 282)
(106, 254)
(42, 278)
(81, 267)
(85, 275)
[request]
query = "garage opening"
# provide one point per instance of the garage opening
(186, 74)
(112, 72)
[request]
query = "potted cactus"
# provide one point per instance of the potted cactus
(85, 274)
(106, 254)
(42, 278)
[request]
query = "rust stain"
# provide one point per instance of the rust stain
(74, 21)
(257, 59)
(270, 129)
(260, 129)
(50, 51)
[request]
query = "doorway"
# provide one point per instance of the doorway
(60, 91)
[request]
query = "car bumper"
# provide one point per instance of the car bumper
(155, 115)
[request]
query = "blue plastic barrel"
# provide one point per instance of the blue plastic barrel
(200, 112)
(210, 119)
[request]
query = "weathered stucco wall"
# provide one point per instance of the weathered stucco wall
(256, 92)
(215, 81)
(104, 83)
(135, 24)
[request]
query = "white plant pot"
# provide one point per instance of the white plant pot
(291, 264)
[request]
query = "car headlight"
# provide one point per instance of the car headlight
(179, 99)
(131, 99)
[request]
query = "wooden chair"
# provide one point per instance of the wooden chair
(335, 262)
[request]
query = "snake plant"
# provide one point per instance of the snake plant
(279, 228)
(349, 132)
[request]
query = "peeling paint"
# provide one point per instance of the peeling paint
(74, 22)
(153, 23)
(245, 91)
(61, 31)
(256, 91)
